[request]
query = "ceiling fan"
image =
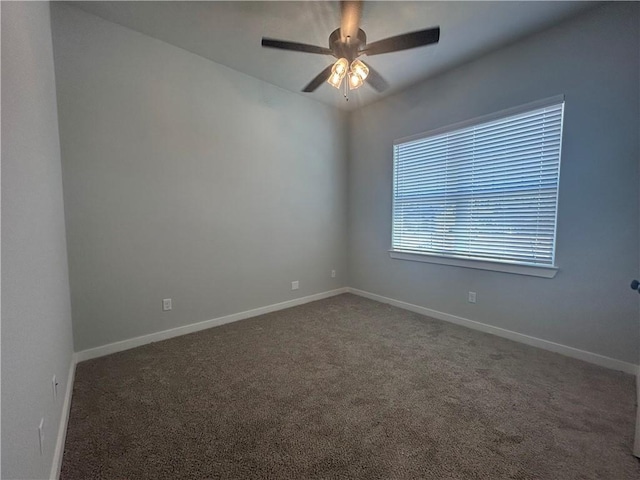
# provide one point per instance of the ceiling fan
(349, 42)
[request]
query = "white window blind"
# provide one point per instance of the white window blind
(485, 191)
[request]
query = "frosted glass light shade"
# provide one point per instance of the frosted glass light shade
(335, 80)
(359, 68)
(340, 67)
(338, 72)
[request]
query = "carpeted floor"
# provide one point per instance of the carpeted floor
(348, 388)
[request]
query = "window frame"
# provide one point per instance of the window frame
(506, 266)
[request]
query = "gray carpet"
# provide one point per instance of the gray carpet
(348, 388)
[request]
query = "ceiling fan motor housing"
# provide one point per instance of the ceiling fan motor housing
(349, 48)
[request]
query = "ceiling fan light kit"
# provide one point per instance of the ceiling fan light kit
(349, 42)
(357, 73)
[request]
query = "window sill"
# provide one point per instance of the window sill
(530, 270)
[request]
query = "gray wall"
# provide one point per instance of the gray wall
(36, 313)
(185, 179)
(593, 60)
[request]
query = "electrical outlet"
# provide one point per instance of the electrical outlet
(295, 285)
(472, 297)
(333, 274)
(166, 304)
(54, 387)
(41, 435)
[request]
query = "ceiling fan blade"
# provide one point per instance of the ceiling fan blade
(320, 78)
(374, 79)
(404, 42)
(351, 11)
(295, 46)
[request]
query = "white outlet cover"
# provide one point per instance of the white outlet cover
(472, 297)
(333, 274)
(295, 285)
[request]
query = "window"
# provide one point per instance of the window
(482, 191)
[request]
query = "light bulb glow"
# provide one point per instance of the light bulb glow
(354, 81)
(335, 80)
(360, 69)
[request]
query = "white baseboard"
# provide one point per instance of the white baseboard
(590, 357)
(195, 327)
(64, 421)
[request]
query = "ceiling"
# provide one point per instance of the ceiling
(230, 33)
